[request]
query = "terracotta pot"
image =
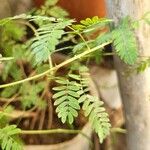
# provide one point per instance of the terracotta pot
(81, 9)
(38, 3)
(79, 142)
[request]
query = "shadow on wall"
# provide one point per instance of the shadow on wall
(81, 9)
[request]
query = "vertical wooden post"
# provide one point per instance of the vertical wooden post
(135, 89)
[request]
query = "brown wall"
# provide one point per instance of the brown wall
(81, 9)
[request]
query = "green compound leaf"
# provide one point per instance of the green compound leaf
(143, 65)
(91, 24)
(125, 42)
(95, 111)
(66, 100)
(43, 45)
(7, 138)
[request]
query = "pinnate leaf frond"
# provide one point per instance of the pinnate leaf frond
(66, 100)
(125, 42)
(7, 138)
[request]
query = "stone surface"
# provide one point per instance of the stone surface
(107, 85)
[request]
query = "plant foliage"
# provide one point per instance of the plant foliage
(143, 65)
(91, 24)
(8, 139)
(66, 99)
(4, 118)
(71, 92)
(30, 95)
(48, 37)
(125, 42)
(98, 118)
(146, 17)
(68, 96)
(50, 9)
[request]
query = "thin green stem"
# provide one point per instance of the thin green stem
(79, 56)
(10, 100)
(64, 48)
(51, 131)
(50, 64)
(6, 58)
(30, 26)
(80, 37)
(108, 54)
(56, 131)
(119, 130)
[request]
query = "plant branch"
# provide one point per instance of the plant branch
(119, 130)
(6, 58)
(64, 48)
(109, 54)
(80, 37)
(17, 114)
(50, 64)
(10, 100)
(30, 26)
(56, 67)
(56, 131)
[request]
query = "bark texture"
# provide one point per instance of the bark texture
(135, 89)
